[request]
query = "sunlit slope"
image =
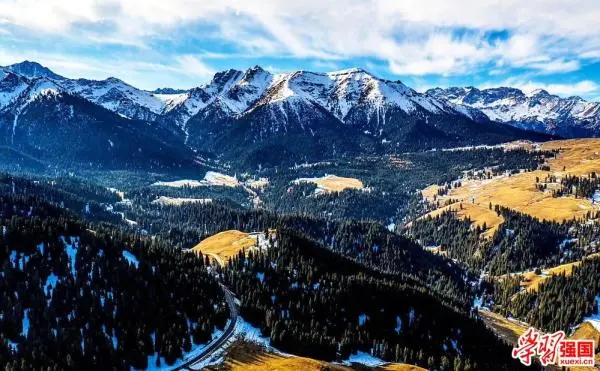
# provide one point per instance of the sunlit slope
(244, 356)
(578, 157)
(224, 245)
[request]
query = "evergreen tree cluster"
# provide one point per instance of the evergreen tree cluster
(559, 303)
(78, 295)
(578, 186)
(391, 188)
(522, 242)
(367, 243)
(87, 199)
(315, 303)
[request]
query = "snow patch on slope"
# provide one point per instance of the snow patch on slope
(594, 319)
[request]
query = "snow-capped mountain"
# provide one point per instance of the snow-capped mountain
(117, 96)
(352, 97)
(257, 115)
(537, 110)
(40, 117)
(33, 70)
(11, 86)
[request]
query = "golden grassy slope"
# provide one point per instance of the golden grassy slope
(578, 156)
(519, 192)
(531, 281)
(224, 245)
(479, 214)
(586, 331)
(244, 356)
(567, 269)
(333, 183)
(510, 330)
(401, 367)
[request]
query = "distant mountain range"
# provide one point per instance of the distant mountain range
(252, 117)
(537, 110)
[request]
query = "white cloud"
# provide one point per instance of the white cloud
(193, 66)
(591, 54)
(188, 69)
(413, 38)
(554, 66)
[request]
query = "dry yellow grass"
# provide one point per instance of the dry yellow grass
(513, 328)
(275, 362)
(519, 192)
(479, 215)
(531, 281)
(401, 367)
(586, 331)
(508, 330)
(333, 183)
(244, 356)
(224, 245)
(430, 192)
(577, 156)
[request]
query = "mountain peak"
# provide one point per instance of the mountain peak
(536, 110)
(256, 68)
(349, 71)
(255, 72)
(538, 93)
(33, 70)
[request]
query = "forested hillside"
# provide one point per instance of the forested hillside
(79, 295)
(314, 303)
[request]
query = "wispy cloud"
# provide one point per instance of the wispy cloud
(194, 66)
(427, 38)
(188, 69)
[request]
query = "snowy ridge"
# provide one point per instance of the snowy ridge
(237, 108)
(23, 95)
(536, 110)
(33, 70)
(11, 86)
(235, 93)
(117, 96)
(341, 91)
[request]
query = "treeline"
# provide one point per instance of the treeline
(89, 296)
(231, 195)
(392, 181)
(312, 302)
(522, 242)
(367, 243)
(578, 186)
(559, 303)
(88, 200)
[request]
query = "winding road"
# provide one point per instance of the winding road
(216, 344)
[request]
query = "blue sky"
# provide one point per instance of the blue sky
(181, 43)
